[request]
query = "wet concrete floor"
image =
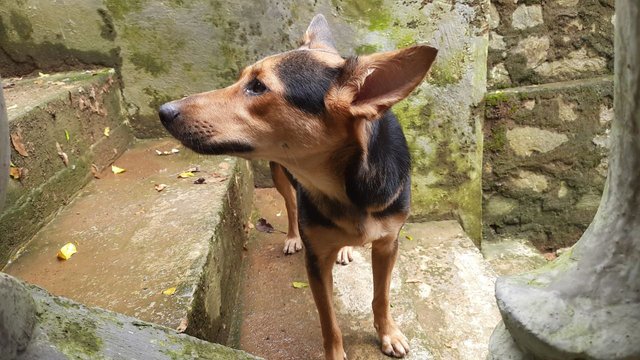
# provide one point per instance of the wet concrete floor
(441, 293)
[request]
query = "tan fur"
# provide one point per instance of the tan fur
(316, 150)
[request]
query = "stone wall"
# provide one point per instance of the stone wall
(164, 50)
(546, 131)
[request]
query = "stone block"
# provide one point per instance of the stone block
(553, 41)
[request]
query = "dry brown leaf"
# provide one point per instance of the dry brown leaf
(62, 154)
(94, 171)
(264, 226)
(15, 173)
(200, 181)
(184, 323)
(160, 187)
(16, 140)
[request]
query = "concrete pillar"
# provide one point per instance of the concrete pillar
(17, 317)
(586, 304)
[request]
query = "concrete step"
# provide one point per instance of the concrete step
(63, 329)
(135, 242)
(71, 109)
(442, 295)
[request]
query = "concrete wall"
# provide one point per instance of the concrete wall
(164, 50)
(546, 132)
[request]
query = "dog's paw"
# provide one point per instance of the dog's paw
(394, 344)
(292, 245)
(345, 255)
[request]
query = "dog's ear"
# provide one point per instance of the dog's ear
(318, 35)
(370, 85)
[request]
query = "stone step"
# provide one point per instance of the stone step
(135, 242)
(71, 109)
(442, 295)
(63, 329)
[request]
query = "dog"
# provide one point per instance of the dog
(337, 152)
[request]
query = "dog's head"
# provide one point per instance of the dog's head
(298, 103)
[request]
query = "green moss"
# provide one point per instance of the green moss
(120, 8)
(77, 339)
(449, 71)
(374, 12)
(496, 98)
(149, 63)
(21, 25)
(497, 140)
(157, 98)
(366, 49)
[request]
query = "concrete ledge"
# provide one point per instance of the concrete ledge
(42, 111)
(135, 242)
(62, 329)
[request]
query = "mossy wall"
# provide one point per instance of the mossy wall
(165, 50)
(546, 133)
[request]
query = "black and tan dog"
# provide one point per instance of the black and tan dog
(337, 152)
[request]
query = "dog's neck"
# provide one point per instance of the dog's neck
(367, 173)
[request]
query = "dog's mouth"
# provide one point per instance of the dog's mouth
(218, 148)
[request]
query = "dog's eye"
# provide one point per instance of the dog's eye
(255, 87)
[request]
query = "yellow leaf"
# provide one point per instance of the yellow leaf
(299, 284)
(170, 291)
(107, 131)
(409, 237)
(66, 251)
(15, 173)
(66, 135)
(117, 170)
(186, 174)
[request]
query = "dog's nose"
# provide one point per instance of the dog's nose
(168, 112)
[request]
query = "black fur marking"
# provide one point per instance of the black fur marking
(308, 213)
(313, 270)
(221, 148)
(400, 204)
(306, 81)
(389, 167)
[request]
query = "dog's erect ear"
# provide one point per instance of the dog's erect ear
(318, 35)
(370, 85)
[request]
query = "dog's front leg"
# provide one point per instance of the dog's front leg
(383, 255)
(319, 265)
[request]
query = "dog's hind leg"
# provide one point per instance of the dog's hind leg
(319, 266)
(293, 243)
(383, 257)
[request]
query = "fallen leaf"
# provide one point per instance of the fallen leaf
(184, 323)
(279, 214)
(264, 226)
(299, 284)
(160, 187)
(173, 151)
(8, 85)
(117, 170)
(186, 174)
(15, 172)
(16, 140)
(62, 154)
(170, 291)
(194, 169)
(409, 237)
(94, 171)
(107, 131)
(42, 75)
(200, 181)
(66, 251)
(14, 106)
(66, 135)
